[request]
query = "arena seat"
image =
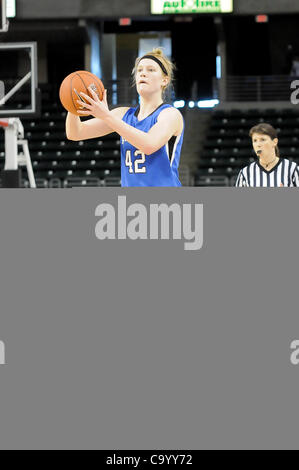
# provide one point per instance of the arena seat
(212, 181)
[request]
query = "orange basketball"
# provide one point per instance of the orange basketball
(73, 84)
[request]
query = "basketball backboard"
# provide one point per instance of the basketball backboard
(19, 95)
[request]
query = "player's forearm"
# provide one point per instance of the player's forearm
(141, 140)
(73, 126)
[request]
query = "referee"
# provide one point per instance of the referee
(270, 170)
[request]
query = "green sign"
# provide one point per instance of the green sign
(191, 6)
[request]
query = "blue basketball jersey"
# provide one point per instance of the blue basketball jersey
(158, 169)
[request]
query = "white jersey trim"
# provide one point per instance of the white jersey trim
(174, 148)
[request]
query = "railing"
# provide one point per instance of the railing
(254, 88)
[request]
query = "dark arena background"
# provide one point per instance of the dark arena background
(233, 70)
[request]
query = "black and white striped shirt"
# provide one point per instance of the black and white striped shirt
(284, 173)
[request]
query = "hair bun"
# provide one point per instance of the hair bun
(158, 51)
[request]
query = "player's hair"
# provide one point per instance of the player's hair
(266, 129)
(165, 61)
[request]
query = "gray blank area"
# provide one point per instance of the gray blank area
(140, 344)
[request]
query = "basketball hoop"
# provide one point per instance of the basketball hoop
(4, 123)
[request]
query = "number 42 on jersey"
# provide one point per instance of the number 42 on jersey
(134, 167)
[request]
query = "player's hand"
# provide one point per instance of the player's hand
(94, 106)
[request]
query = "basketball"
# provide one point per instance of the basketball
(74, 84)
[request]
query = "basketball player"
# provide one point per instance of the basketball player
(270, 170)
(151, 134)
